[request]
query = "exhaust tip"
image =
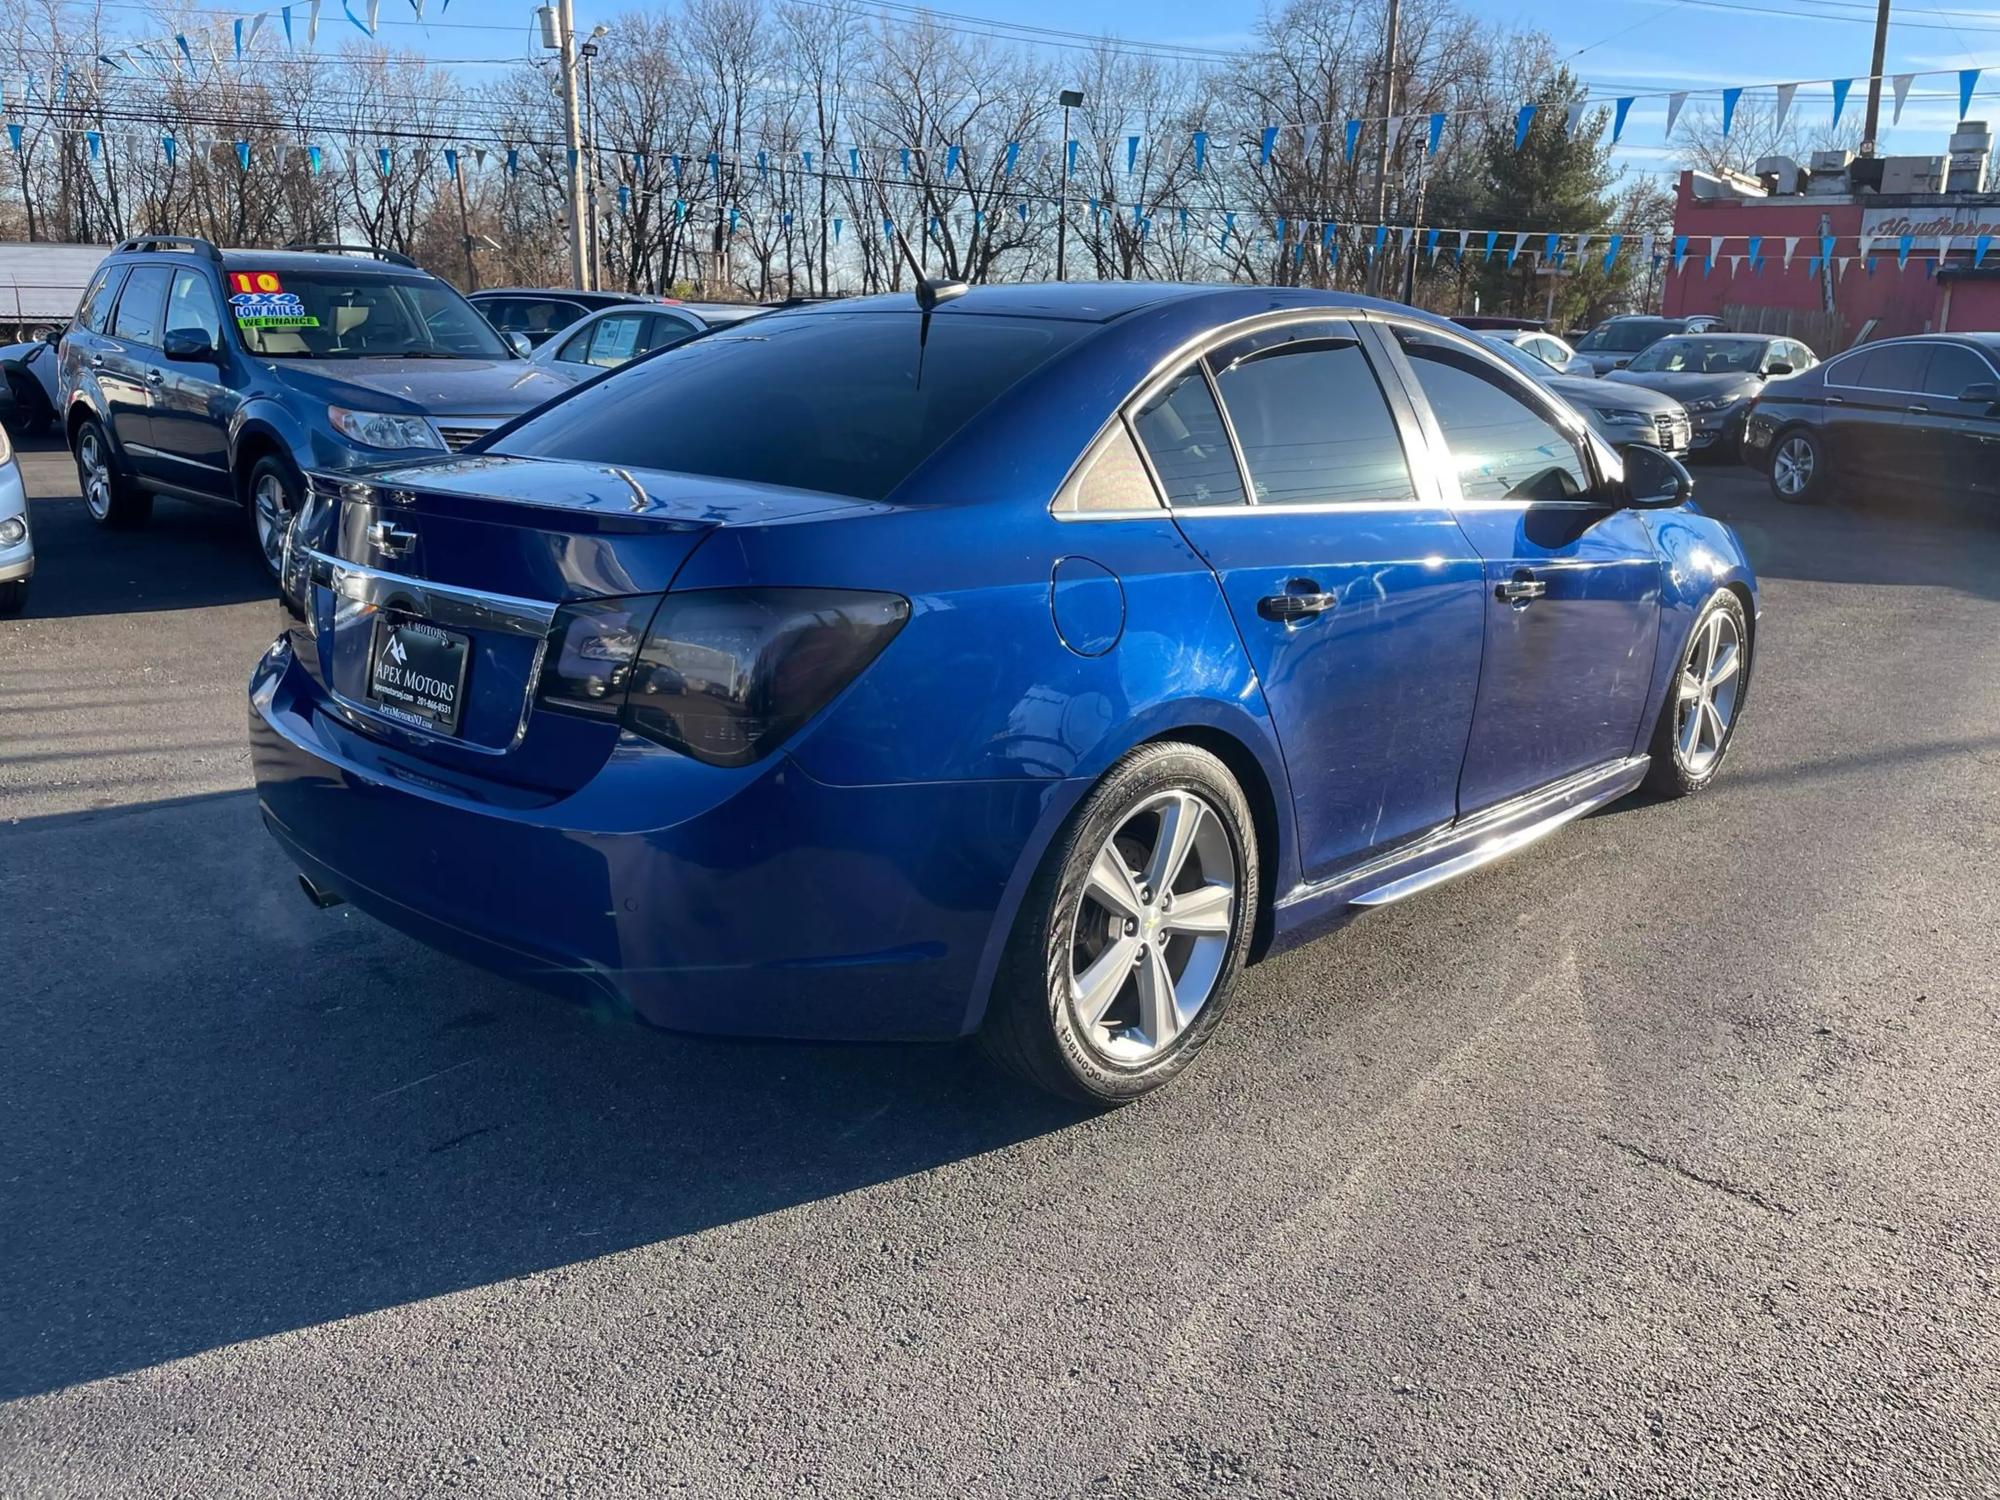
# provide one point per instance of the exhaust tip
(319, 895)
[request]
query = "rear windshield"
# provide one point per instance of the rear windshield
(847, 403)
(1624, 338)
(288, 314)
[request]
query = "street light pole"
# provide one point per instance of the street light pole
(561, 21)
(1069, 99)
(589, 52)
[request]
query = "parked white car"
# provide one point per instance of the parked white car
(17, 545)
(1546, 347)
(612, 336)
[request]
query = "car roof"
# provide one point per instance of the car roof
(570, 292)
(1105, 301)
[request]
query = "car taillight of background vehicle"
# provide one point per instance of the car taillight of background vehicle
(723, 675)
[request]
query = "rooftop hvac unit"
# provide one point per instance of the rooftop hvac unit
(1781, 175)
(1971, 150)
(1830, 161)
(1913, 174)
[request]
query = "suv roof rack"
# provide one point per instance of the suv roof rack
(394, 257)
(146, 242)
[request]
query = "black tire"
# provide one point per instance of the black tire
(31, 415)
(13, 597)
(271, 471)
(1791, 447)
(111, 497)
(1031, 1027)
(1675, 772)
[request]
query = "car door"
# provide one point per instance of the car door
(128, 366)
(1355, 594)
(192, 402)
(1572, 581)
(1868, 396)
(1956, 441)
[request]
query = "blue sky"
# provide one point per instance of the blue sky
(1646, 47)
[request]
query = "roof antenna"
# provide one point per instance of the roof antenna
(930, 290)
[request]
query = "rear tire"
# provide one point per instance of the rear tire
(1110, 986)
(13, 597)
(1799, 474)
(108, 492)
(1704, 701)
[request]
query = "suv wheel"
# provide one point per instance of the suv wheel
(274, 495)
(108, 492)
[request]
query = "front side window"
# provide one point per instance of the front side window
(849, 403)
(191, 308)
(1502, 447)
(1952, 369)
(321, 314)
(140, 305)
(1311, 418)
(1184, 436)
(95, 311)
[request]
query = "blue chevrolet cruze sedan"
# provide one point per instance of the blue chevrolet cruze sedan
(1021, 664)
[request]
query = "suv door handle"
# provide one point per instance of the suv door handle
(1519, 589)
(154, 377)
(1918, 411)
(96, 361)
(1293, 608)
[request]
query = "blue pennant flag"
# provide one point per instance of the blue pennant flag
(1552, 249)
(1611, 249)
(1353, 137)
(1436, 135)
(675, 161)
(624, 199)
(1871, 265)
(638, 166)
(1022, 210)
(715, 167)
(1729, 98)
(763, 166)
(1514, 250)
(1228, 219)
(1200, 151)
(888, 227)
(167, 145)
(836, 231)
(1620, 108)
(1184, 223)
(1492, 239)
(243, 155)
(451, 163)
(514, 161)
(1968, 80)
(1069, 160)
(905, 153)
(1752, 246)
(951, 161)
(1680, 251)
(1381, 239)
(1013, 155)
(1431, 245)
(1270, 142)
(95, 141)
(1903, 250)
(1326, 234)
(853, 161)
(313, 160)
(1826, 247)
(286, 12)
(1812, 266)
(1280, 235)
(14, 135)
(382, 159)
(1298, 252)
(806, 160)
(1840, 88)
(1980, 246)
(680, 210)
(348, 6)
(1131, 154)
(1523, 118)
(734, 214)
(239, 39)
(186, 51)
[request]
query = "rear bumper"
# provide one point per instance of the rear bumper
(779, 906)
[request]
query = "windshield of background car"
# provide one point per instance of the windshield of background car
(848, 403)
(1623, 338)
(287, 314)
(1520, 359)
(1700, 356)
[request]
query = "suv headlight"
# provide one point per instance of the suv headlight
(382, 429)
(1622, 414)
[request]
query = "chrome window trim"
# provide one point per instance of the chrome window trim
(1832, 365)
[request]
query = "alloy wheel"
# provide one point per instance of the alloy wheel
(95, 470)
(1793, 464)
(269, 500)
(1152, 928)
(1710, 685)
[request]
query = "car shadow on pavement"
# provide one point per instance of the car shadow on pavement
(230, 1115)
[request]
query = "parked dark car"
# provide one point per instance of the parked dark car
(231, 375)
(1613, 342)
(1020, 664)
(1715, 376)
(1919, 411)
(539, 314)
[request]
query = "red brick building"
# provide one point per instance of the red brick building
(1901, 262)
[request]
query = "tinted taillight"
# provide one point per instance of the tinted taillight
(591, 650)
(726, 675)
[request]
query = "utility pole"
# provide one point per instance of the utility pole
(1382, 140)
(1875, 78)
(559, 35)
(1069, 99)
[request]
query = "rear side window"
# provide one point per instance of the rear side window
(1115, 480)
(1189, 445)
(1311, 418)
(141, 304)
(95, 311)
(1893, 367)
(1952, 369)
(849, 403)
(1502, 447)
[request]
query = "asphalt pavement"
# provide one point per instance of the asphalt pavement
(1657, 1160)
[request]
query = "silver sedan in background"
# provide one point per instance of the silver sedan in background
(612, 336)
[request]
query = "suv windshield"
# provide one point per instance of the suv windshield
(849, 403)
(1626, 336)
(1701, 356)
(285, 314)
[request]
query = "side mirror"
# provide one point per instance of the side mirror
(1619, 364)
(54, 336)
(1655, 480)
(1777, 367)
(1983, 393)
(191, 345)
(518, 342)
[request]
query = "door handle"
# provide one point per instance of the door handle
(1836, 401)
(154, 377)
(1918, 411)
(1519, 589)
(96, 361)
(1292, 608)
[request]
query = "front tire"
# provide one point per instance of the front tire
(1798, 473)
(1133, 932)
(1704, 701)
(274, 495)
(108, 492)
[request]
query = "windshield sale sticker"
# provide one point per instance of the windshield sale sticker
(271, 309)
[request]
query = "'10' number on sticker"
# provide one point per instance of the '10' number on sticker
(253, 281)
